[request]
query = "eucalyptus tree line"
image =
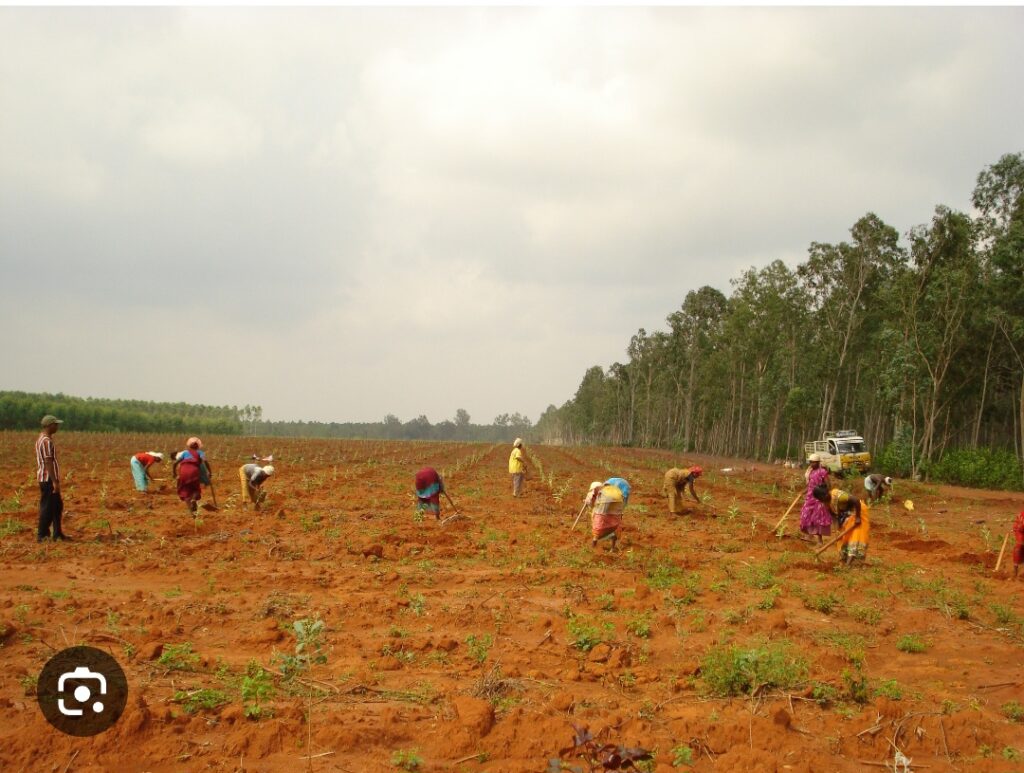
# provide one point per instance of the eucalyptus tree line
(917, 342)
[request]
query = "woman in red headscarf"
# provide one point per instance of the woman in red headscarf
(188, 469)
(678, 480)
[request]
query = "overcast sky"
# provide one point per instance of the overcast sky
(339, 213)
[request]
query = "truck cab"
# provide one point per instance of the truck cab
(841, 451)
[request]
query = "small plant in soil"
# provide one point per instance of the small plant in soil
(201, 700)
(407, 759)
(856, 684)
(596, 755)
(479, 646)
(889, 688)
(823, 602)
(256, 688)
(732, 670)
(178, 657)
(640, 625)
(681, 755)
(911, 643)
(585, 634)
(1013, 711)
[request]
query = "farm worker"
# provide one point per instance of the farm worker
(517, 467)
(429, 487)
(140, 468)
(51, 504)
(608, 501)
(815, 518)
(876, 486)
(853, 545)
(189, 470)
(252, 478)
(1018, 546)
(677, 480)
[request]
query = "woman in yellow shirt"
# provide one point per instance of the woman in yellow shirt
(517, 467)
(853, 545)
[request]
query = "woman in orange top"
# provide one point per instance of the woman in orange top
(853, 546)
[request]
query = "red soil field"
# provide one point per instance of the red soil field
(477, 645)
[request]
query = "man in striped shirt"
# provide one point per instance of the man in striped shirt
(51, 505)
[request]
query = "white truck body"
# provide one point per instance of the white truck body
(841, 451)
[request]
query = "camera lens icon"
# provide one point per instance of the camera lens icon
(82, 691)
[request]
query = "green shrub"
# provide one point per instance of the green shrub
(682, 755)
(889, 688)
(585, 634)
(733, 670)
(479, 646)
(865, 614)
(979, 468)
(257, 688)
(1013, 711)
(178, 657)
(823, 602)
(911, 643)
(640, 625)
(197, 700)
(407, 759)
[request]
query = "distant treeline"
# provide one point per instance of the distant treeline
(23, 410)
(505, 428)
(917, 342)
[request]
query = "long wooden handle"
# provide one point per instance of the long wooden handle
(785, 514)
(213, 492)
(999, 561)
(579, 516)
(454, 506)
(834, 540)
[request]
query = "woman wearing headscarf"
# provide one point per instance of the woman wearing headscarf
(190, 468)
(608, 501)
(252, 477)
(677, 480)
(815, 519)
(853, 545)
(517, 467)
(141, 463)
(429, 486)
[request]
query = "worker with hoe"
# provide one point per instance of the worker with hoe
(192, 470)
(608, 501)
(877, 486)
(51, 504)
(815, 518)
(252, 477)
(854, 522)
(677, 480)
(429, 486)
(517, 467)
(141, 463)
(1018, 542)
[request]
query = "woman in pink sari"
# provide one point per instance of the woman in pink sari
(815, 518)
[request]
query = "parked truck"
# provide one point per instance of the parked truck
(841, 451)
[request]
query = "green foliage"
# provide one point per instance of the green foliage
(1013, 711)
(991, 468)
(178, 657)
(824, 694)
(911, 643)
(889, 688)
(407, 759)
(732, 670)
(309, 645)
(22, 410)
(865, 614)
(822, 602)
(856, 684)
(585, 634)
(681, 755)
(257, 688)
(479, 646)
(640, 625)
(200, 700)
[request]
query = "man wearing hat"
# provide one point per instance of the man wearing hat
(51, 505)
(677, 480)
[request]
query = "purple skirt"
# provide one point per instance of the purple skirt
(815, 517)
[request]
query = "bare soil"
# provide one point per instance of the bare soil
(450, 648)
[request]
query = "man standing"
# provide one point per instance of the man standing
(877, 486)
(51, 505)
(517, 467)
